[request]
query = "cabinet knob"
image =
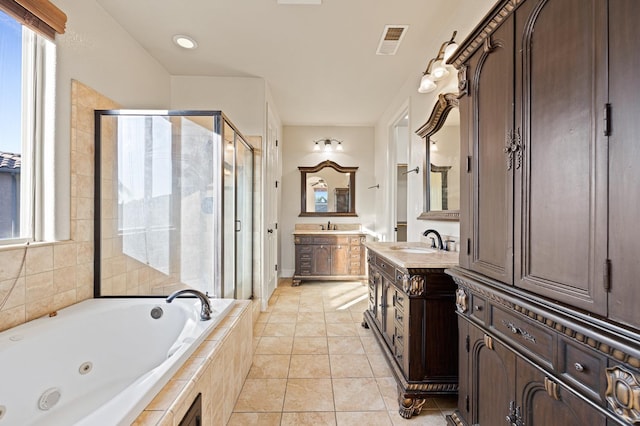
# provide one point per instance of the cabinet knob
(477, 307)
(579, 367)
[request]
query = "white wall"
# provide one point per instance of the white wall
(297, 150)
(242, 99)
(463, 19)
(96, 51)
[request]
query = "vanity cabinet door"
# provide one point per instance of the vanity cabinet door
(340, 260)
(543, 402)
(561, 211)
(321, 264)
(489, 74)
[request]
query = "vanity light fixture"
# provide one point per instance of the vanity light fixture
(185, 41)
(437, 67)
(328, 146)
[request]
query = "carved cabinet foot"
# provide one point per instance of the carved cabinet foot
(410, 406)
(295, 283)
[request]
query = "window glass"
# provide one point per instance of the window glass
(10, 123)
(27, 92)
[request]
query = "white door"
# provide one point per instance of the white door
(272, 198)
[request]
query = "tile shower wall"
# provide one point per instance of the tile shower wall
(49, 276)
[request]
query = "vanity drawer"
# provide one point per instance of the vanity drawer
(356, 241)
(324, 240)
(521, 332)
(355, 249)
(385, 267)
(478, 308)
(398, 301)
(303, 240)
(584, 367)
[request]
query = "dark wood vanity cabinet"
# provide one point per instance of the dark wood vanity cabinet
(329, 256)
(412, 315)
(548, 271)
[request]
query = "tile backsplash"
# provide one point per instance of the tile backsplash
(45, 277)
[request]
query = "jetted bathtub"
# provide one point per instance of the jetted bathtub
(99, 362)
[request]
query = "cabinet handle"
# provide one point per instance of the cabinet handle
(383, 266)
(479, 308)
(579, 367)
(400, 299)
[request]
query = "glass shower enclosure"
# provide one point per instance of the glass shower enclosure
(173, 204)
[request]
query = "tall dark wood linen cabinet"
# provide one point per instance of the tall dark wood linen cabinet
(548, 298)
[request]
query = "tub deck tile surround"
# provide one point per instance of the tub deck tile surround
(217, 369)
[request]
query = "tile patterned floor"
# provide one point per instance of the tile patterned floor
(315, 365)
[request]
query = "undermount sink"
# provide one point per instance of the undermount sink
(417, 250)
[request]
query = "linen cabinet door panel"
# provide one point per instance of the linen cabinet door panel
(543, 402)
(624, 152)
(491, 91)
(560, 219)
(493, 372)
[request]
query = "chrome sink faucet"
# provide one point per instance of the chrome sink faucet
(205, 310)
(433, 242)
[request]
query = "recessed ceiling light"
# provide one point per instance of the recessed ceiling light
(184, 41)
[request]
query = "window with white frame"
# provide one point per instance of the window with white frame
(27, 90)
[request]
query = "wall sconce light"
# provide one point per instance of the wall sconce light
(437, 67)
(327, 144)
(433, 146)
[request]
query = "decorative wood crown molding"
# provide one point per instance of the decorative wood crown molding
(482, 32)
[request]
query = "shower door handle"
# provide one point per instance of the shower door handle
(238, 225)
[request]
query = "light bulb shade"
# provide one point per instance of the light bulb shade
(439, 71)
(339, 147)
(316, 147)
(427, 84)
(327, 145)
(449, 51)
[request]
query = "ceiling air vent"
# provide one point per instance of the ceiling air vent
(391, 38)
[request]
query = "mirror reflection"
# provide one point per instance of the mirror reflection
(327, 189)
(442, 160)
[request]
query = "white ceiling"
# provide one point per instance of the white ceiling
(319, 61)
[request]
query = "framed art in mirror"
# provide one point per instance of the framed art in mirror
(441, 183)
(328, 189)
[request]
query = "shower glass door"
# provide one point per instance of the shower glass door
(244, 220)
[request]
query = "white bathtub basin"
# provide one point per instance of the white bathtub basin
(99, 362)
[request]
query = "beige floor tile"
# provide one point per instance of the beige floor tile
(425, 418)
(338, 317)
(255, 419)
(341, 329)
(263, 317)
(310, 329)
(446, 402)
(350, 366)
(309, 367)
(309, 395)
(311, 304)
(306, 316)
(274, 346)
(279, 330)
(371, 346)
(309, 419)
(357, 395)
(310, 345)
(345, 346)
(258, 328)
(389, 390)
(270, 367)
(260, 395)
(379, 365)
(369, 418)
(285, 308)
(283, 318)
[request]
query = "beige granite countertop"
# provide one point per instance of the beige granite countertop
(414, 255)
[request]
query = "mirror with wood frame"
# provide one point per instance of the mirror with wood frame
(441, 133)
(328, 189)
